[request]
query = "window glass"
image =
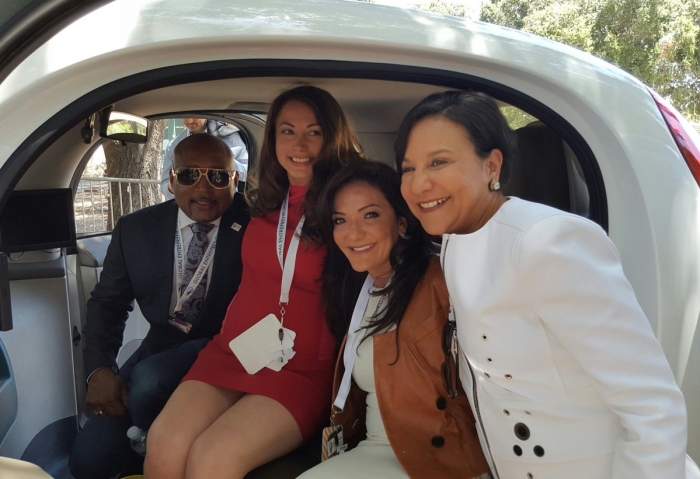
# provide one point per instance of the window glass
(516, 118)
(119, 179)
(107, 191)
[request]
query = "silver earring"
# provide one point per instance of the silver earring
(494, 186)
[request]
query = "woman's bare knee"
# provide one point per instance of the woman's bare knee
(165, 450)
(253, 432)
(208, 458)
(178, 426)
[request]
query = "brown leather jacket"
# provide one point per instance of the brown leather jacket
(432, 435)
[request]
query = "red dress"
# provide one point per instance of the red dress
(303, 386)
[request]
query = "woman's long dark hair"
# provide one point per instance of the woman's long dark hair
(409, 257)
(268, 180)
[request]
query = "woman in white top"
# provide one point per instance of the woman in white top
(567, 377)
(385, 289)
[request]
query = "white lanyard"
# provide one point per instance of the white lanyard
(291, 260)
(199, 272)
(355, 337)
(443, 254)
(454, 346)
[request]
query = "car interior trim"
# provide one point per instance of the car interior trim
(20, 160)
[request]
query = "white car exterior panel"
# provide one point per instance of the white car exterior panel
(92, 51)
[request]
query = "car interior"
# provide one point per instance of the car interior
(554, 166)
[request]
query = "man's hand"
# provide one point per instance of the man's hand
(107, 394)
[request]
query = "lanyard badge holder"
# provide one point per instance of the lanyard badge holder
(177, 319)
(454, 344)
(268, 343)
(450, 343)
(288, 266)
(332, 443)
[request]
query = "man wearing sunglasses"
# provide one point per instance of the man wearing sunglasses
(181, 261)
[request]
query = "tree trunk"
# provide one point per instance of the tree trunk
(135, 161)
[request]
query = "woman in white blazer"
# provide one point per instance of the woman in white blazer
(563, 371)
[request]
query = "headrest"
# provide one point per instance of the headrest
(539, 170)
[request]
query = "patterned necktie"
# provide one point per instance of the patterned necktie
(195, 253)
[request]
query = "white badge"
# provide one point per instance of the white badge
(259, 346)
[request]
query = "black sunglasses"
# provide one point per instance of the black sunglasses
(217, 178)
(450, 368)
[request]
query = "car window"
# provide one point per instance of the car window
(516, 117)
(91, 198)
(102, 198)
(122, 178)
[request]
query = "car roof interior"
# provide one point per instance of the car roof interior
(376, 108)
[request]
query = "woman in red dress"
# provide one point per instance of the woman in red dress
(234, 411)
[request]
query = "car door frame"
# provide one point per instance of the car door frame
(33, 24)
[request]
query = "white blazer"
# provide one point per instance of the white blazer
(564, 373)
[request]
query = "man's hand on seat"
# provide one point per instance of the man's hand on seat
(107, 393)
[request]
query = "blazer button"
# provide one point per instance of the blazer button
(441, 404)
(438, 441)
(522, 432)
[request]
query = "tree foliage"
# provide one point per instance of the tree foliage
(657, 41)
(441, 6)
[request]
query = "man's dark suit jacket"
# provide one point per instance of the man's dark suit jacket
(139, 265)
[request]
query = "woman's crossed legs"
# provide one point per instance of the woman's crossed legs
(209, 432)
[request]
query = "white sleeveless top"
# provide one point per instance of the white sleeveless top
(363, 374)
